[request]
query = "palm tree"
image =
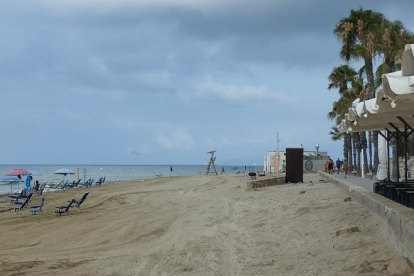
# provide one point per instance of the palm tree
(359, 33)
(340, 78)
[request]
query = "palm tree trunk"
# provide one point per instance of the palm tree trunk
(345, 136)
(363, 141)
(370, 76)
(349, 157)
(354, 142)
(358, 153)
(376, 157)
(370, 151)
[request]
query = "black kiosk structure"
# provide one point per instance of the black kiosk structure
(294, 164)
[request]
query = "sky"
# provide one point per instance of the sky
(98, 81)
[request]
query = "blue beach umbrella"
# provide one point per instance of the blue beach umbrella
(11, 179)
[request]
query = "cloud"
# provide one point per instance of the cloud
(175, 139)
(232, 93)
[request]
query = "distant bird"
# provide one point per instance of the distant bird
(135, 152)
(311, 183)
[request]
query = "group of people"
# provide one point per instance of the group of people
(330, 166)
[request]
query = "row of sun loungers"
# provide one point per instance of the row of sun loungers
(20, 204)
(21, 201)
(64, 185)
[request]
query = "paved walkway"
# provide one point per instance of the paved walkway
(365, 183)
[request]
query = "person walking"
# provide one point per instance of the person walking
(338, 165)
(330, 166)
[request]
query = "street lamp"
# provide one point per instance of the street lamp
(317, 148)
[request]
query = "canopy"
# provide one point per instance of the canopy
(393, 104)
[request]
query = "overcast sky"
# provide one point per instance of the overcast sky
(88, 82)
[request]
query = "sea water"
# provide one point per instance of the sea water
(113, 173)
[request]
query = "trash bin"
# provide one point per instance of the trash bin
(252, 175)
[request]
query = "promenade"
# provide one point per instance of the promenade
(365, 183)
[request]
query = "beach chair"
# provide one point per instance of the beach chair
(13, 198)
(39, 208)
(19, 206)
(39, 192)
(99, 182)
(88, 182)
(77, 203)
(64, 209)
(74, 184)
(56, 186)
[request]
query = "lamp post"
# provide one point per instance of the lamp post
(317, 148)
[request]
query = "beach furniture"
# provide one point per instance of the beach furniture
(19, 206)
(13, 198)
(87, 183)
(64, 209)
(39, 192)
(74, 184)
(77, 203)
(56, 186)
(39, 208)
(100, 181)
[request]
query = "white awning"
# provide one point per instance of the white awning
(395, 99)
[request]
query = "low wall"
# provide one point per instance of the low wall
(395, 219)
(260, 183)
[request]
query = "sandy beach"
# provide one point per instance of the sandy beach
(202, 225)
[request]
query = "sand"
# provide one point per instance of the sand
(202, 225)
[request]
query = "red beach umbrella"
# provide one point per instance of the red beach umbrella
(17, 172)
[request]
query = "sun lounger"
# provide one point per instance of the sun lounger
(88, 182)
(39, 208)
(20, 206)
(64, 209)
(74, 184)
(77, 203)
(14, 199)
(39, 192)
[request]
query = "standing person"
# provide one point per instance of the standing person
(338, 165)
(330, 166)
(326, 166)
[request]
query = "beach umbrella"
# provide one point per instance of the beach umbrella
(64, 171)
(10, 179)
(17, 171)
